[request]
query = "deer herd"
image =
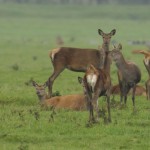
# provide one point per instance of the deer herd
(96, 82)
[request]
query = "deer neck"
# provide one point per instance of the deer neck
(121, 65)
(43, 97)
(105, 47)
(107, 63)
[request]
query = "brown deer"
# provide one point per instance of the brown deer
(146, 60)
(72, 102)
(147, 84)
(76, 59)
(128, 74)
(140, 90)
(97, 83)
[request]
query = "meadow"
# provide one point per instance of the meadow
(27, 34)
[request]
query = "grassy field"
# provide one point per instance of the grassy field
(27, 34)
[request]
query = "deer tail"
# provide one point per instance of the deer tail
(53, 52)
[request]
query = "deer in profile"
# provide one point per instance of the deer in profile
(76, 59)
(128, 74)
(72, 102)
(97, 83)
(146, 62)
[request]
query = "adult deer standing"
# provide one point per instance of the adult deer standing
(97, 83)
(76, 59)
(146, 62)
(73, 102)
(128, 74)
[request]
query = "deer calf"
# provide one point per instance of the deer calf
(72, 102)
(128, 74)
(97, 82)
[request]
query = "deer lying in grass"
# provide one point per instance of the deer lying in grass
(128, 74)
(72, 102)
(146, 62)
(140, 90)
(76, 59)
(97, 83)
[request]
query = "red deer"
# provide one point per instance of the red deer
(76, 59)
(140, 90)
(97, 83)
(147, 84)
(146, 60)
(72, 102)
(128, 74)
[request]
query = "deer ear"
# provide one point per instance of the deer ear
(100, 32)
(80, 80)
(34, 83)
(120, 46)
(45, 84)
(114, 46)
(113, 32)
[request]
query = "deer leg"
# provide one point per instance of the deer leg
(133, 95)
(95, 103)
(108, 107)
(146, 85)
(91, 117)
(121, 92)
(125, 92)
(52, 78)
(125, 99)
(90, 106)
(148, 91)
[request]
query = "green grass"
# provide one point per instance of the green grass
(30, 31)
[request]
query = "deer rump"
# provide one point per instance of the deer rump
(100, 82)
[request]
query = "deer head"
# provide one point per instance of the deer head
(102, 54)
(115, 53)
(40, 90)
(106, 36)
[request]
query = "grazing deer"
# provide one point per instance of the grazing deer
(128, 74)
(140, 90)
(72, 102)
(97, 83)
(146, 60)
(76, 59)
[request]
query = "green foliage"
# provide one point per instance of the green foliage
(28, 33)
